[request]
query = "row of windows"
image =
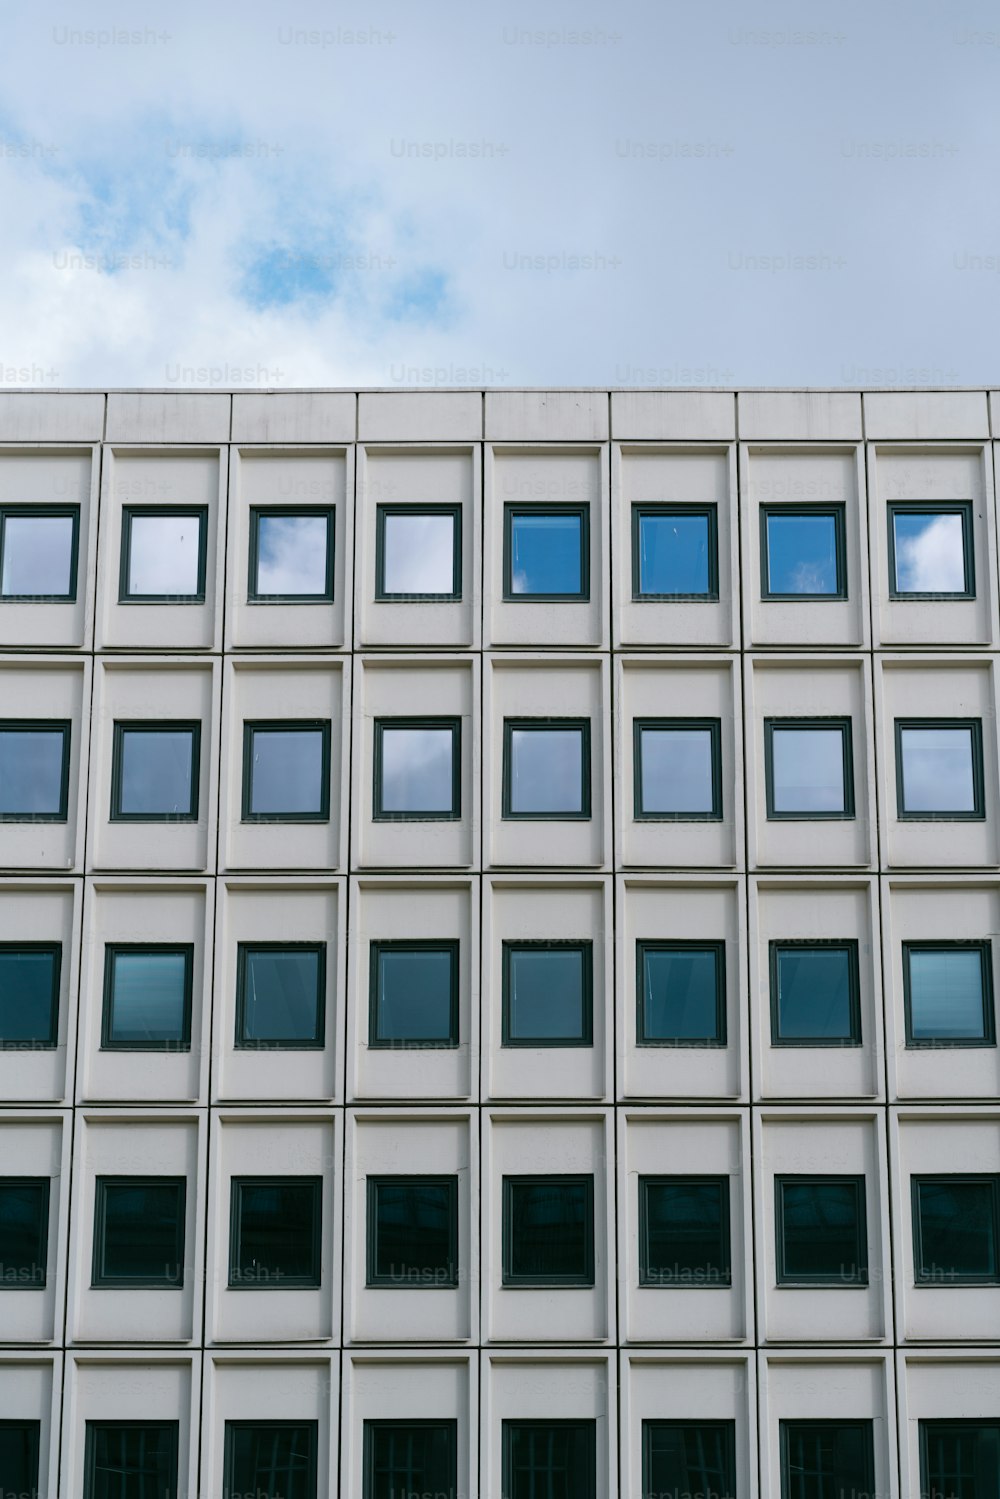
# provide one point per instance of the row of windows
(546, 556)
(684, 1239)
(547, 994)
(809, 769)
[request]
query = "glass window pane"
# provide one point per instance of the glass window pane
(549, 1459)
(827, 1459)
(38, 556)
(157, 772)
(686, 1238)
(292, 555)
(688, 1458)
(674, 554)
(807, 769)
(814, 994)
(959, 1459)
(271, 1460)
(164, 552)
(938, 769)
(24, 1232)
(929, 552)
(143, 1231)
(548, 995)
(677, 770)
(822, 1231)
(403, 1458)
(276, 1231)
(802, 553)
(417, 768)
(287, 772)
(546, 552)
(955, 1229)
(19, 1443)
(282, 996)
(413, 1226)
(29, 995)
(680, 996)
(148, 998)
(131, 1460)
(414, 1001)
(946, 993)
(418, 553)
(31, 771)
(546, 771)
(549, 1230)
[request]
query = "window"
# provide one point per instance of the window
(130, 1460)
(675, 552)
(815, 994)
(24, 1232)
(548, 994)
(959, 1459)
(418, 552)
(139, 1232)
(549, 1459)
(803, 552)
(948, 994)
(931, 550)
(413, 1232)
(280, 995)
(821, 1230)
(286, 771)
(546, 768)
(19, 1444)
(939, 769)
(275, 1226)
(38, 553)
(680, 993)
(270, 1459)
(684, 1232)
(688, 1457)
(678, 769)
(29, 995)
(34, 770)
(826, 1459)
(163, 555)
(291, 555)
(418, 769)
(548, 1231)
(147, 997)
(956, 1230)
(410, 1457)
(808, 767)
(546, 552)
(155, 772)
(413, 994)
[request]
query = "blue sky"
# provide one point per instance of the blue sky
(658, 192)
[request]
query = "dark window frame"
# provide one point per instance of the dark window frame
(243, 950)
(932, 507)
(727, 1428)
(44, 1220)
(653, 1279)
(582, 725)
(714, 727)
(922, 1277)
(778, 945)
(836, 720)
(285, 725)
(129, 513)
(229, 1488)
(959, 1426)
(111, 951)
(416, 944)
(90, 1451)
(513, 508)
(382, 513)
(257, 512)
(100, 1280)
(984, 949)
(31, 1429)
(54, 949)
(516, 1281)
(236, 1282)
(123, 726)
(646, 945)
(837, 512)
(407, 1423)
(445, 721)
(63, 726)
(817, 1281)
(51, 512)
(586, 1489)
(710, 511)
(386, 1282)
(975, 727)
(585, 947)
(836, 1423)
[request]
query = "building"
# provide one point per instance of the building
(499, 931)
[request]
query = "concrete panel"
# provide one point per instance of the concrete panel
(294, 416)
(806, 415)
(156, 416)
(925, 414)
(995, 412)
(679, 415)
(48, 416)
(420, 416)
(546, 416)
